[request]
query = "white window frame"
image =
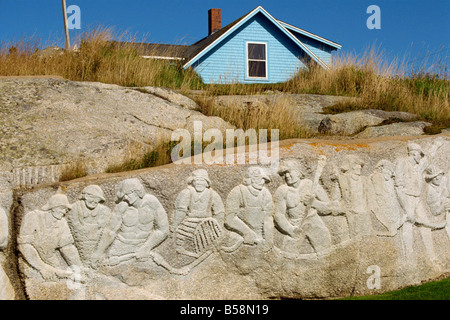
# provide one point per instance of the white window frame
(247, 61)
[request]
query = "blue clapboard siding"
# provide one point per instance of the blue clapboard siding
(321, 50)
(226, 62)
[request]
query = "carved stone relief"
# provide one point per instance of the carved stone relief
(249, 210)
(88, 219)
(6, 289)
(410, 184)
(354, 196)
(46, 242)
(198, 216)
(391, 201)
(385, 205)
(138, 224)
(298, 206)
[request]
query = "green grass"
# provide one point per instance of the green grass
(435, 290)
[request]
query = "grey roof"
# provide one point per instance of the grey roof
(197, 47)
(184, 51)
(180, 51)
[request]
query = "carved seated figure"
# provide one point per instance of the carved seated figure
(45, 240)
(297, 206)
(249, 209)
(138, 225)
(87, 219)
(198, 216)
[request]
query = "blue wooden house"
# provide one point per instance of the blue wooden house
(256, 48)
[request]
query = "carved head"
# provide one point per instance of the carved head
(199, 179)
(434, 175)
(415, 151)
(58, 205)
(131, 190)
(352, 164)
(291, 172)
(386, 168)
(92, 196)
(255, 177)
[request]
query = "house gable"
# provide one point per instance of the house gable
(320, 46)
(222, 56)
(238, 23)
(310, 35)
(320, 49)
(226, 61)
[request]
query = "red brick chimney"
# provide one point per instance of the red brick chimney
(214, 20)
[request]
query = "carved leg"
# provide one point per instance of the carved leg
(408, 243)
(427, 238)
(317, 233)
(352, 224)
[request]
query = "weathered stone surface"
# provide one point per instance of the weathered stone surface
(172, 96)
(333, 218)
(414, 128)
(311, 109)
(45, 122)
(349, 123)
(310, 115)
(308, 107)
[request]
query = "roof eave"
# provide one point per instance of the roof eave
(241, 22)
(193, 59)
(311, 35)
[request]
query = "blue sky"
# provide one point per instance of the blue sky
(415, 30)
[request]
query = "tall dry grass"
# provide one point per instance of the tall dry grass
(377, 82)
(98, 58)
(274, 113)
(74, 170)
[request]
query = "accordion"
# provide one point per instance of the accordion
(194, 236)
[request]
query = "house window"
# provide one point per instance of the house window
(257, 60)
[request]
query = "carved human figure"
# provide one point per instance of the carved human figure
(4, 232)
(138, 224)
(385, 205)
(354, 194)
(249, 209)
(447, 207)
(198, 215)
(430, 213)
(437, 193)
(45, 238)
(6, 289)
(409, 183)
(297, 206)
(87, 219)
